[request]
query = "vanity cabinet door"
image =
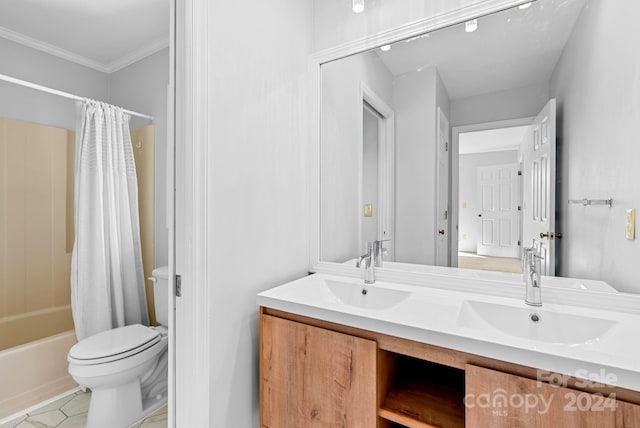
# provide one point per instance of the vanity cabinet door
(495, 399)
(628, 415)
(311, 377)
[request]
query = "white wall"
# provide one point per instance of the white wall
(142, 87)
(511, 104)
(416, 98)
(38, 67)
(257, 185)
(469, 203)
(341, 148)
(597, 83)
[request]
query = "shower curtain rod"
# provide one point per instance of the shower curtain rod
(60, 93)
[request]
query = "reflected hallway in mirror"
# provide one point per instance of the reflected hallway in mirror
(509, 69)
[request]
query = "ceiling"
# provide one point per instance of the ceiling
(105, 35)
(510, 49)
(492, 140)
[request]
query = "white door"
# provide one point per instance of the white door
(442, 206)
(499, 194)
(540, 192)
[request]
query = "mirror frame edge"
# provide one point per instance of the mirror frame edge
(316, 60)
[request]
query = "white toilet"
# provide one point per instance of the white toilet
(125, 368)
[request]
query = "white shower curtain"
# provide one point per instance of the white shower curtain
(107, 280)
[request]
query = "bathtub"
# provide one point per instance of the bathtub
(34, 372)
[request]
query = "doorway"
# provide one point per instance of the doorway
(370, 171)
(377, 177)
(487, 195)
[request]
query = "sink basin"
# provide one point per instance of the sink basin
(376, 297)
(533, 323)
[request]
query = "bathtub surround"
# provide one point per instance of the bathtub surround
(107, 278)
(37, 225)
(34, 230)
(143, 141)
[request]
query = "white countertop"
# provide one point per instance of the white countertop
(434, 315)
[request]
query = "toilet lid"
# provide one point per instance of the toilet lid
(114, 344)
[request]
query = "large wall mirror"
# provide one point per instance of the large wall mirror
(460, 147)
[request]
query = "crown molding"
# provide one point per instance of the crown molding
(108, 68)
(138, 54)
(51, 49)
(416, 28)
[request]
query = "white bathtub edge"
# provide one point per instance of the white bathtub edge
(21, 390)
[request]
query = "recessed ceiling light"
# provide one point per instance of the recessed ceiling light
(358, 6)
(471, 26)
(524, 6)
(385, 48)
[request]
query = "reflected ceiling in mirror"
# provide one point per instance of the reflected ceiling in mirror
(404, 168)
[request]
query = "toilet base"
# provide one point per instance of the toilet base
(115, 407)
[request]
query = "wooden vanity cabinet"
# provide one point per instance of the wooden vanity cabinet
(315, 373)
(501, 400)
(627, 415)
(313, 377)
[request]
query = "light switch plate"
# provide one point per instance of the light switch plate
(630, 229)
(368, 210)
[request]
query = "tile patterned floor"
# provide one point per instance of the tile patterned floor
(71, 412)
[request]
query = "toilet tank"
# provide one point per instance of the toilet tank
(161, 294)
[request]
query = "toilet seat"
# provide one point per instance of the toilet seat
(113, 345)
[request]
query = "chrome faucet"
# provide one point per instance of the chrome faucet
(373, 258)
(369, 259)
(531, 268)
(379, 251)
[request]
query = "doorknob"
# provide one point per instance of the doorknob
(550, 235)
(441, 231)
(479, 215)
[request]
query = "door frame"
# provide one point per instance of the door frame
(443, 192)
(386, 167)
(193, 335)
(171, 218)
(455, 171)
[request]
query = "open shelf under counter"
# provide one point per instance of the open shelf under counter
(422, 394)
